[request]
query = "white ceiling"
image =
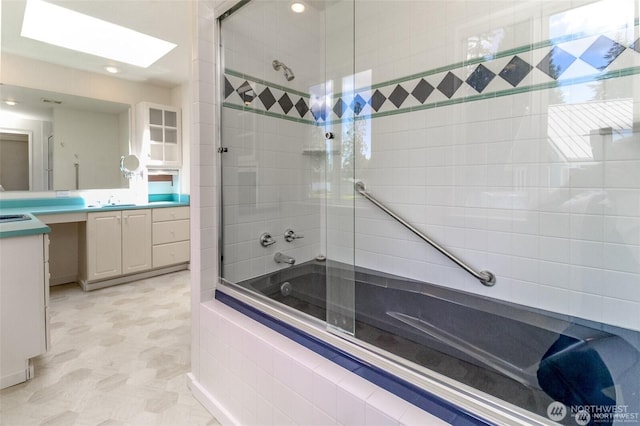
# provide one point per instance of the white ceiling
(169, 20)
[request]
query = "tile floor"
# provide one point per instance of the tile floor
(119, 357)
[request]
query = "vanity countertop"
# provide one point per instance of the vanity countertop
(20, 228)
(35, 207)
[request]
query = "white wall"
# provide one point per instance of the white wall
(24, 72)
(87, 138)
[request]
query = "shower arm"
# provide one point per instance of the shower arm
(485, 277)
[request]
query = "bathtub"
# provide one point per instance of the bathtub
(523, 356)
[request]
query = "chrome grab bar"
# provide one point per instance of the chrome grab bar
(485, 277)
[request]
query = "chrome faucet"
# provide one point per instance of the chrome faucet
(283, 258)
(266, 239)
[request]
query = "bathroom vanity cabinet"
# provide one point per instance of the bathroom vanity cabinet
(119, 246)
(24, 300)
(118, 243)
(160, 132)
(170, 236)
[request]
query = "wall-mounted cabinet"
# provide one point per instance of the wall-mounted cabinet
(160, 131)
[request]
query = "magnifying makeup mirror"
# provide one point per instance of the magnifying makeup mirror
(129, 165)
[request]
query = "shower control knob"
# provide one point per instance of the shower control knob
(290, 235)
(329, 135)
(266, 240)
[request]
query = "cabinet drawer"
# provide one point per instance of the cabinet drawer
(170, 213)
(169, 254)
(171, 231)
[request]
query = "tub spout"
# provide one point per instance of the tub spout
(283, 258)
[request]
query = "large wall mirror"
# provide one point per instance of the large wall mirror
(54, 141)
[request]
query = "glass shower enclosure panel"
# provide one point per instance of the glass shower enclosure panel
(340, 166)
(286, 159)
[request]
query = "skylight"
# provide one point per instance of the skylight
(66, 28)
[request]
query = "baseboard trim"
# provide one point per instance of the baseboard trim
(63, 280)
(95, 285)
(211, 404)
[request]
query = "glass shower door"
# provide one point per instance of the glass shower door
(339, 212)
(287, 156)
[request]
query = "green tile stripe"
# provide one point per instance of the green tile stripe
(481, 96)
(288, 90)
(268, 113)
(488, 58)
(508, 92)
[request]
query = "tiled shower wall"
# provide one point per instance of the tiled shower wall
(524, 158)
(268, 170)
(505, 133)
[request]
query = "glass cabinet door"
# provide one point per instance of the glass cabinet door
(164, 136)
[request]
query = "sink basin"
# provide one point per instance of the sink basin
(114, 206)
(13, 217)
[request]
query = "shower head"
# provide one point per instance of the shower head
(288, 73)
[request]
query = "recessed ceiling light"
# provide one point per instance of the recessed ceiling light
(10, 102)
(62, 27)
(111, 69)
(298, 7)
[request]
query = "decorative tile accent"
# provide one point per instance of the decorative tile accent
(246, 92)
(340, 108)
(450, 84)
(228, 88)
(480, 78)
(515, 71)
(286, 104)
(556, 62)
(422, 91)
(392, 97)
(357, 104)
(301, 107)
(398, 96)
(319, 110)
(267, 98)
(377, 100)
(602, 52)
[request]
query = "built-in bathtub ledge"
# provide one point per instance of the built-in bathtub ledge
(420, 398)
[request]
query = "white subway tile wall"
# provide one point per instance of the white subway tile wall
(527, 183)
(263, 378)
(514, 182)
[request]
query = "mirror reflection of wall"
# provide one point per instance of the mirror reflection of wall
(76, 143)
(14, 161)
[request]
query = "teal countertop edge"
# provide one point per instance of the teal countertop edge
(48, 206)
(23, 228)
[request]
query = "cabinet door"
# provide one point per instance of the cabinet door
(162, 133)
(104, 245)
(22, 306)
(136, 241)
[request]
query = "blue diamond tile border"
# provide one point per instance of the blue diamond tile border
(438, 87)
